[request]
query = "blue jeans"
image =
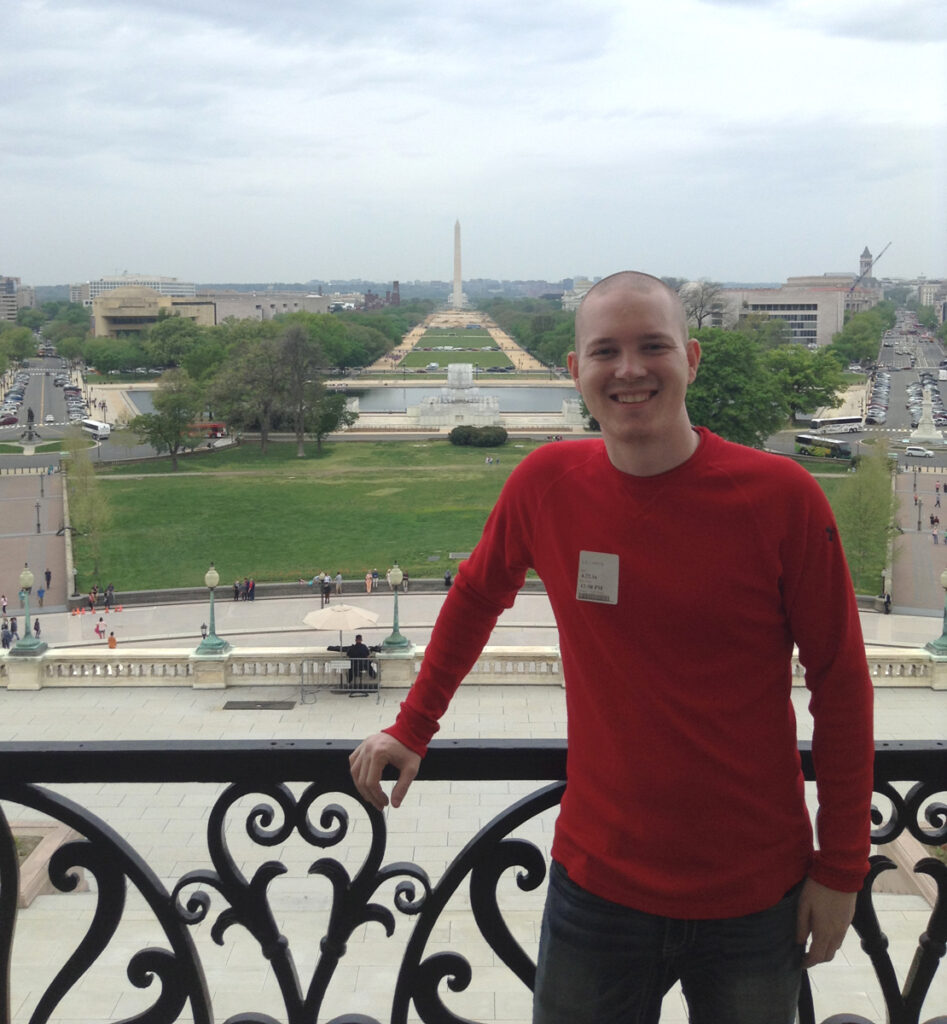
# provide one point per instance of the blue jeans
(602, 962)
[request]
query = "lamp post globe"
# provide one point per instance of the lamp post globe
(211, 644)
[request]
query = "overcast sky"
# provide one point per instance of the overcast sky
(297, 139)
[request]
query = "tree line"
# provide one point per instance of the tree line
(254, 375)
(753, 378)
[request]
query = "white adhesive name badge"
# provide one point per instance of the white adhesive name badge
(598, 578)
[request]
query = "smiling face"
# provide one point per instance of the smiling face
(632, 365)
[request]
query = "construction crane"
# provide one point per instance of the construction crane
(871, 266)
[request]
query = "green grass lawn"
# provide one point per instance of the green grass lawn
(355, 507)
(482, 357)
(358, 506)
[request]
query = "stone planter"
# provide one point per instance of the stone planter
(34, 874)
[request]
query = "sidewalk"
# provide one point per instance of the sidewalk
(21, 543)
(918, 561)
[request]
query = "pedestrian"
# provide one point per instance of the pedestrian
(3, 603)
(667, 706)
(251, 589)
(6, 637)
(934, 535)
(937, 501)
(36, 629)
(404, 582)
(374, 579)
(91, 600)
(49, 578)
(338, 584)
(326, 588)
(112, 642)
(13, 630)
(40, 594)
(236, 590)
(368, 582)
(887, 603)
(447, 579)
(100, 628)
(937, 486)
(109, 596)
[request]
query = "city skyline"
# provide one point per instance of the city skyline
(719, 139)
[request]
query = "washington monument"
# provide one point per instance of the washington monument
(457, 298)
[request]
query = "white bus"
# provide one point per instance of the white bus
(838, 424)
(96, 428)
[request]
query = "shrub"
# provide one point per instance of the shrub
(478, 437)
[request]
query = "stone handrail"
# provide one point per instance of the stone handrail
(255, 666)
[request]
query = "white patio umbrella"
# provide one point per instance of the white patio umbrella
(346, 617)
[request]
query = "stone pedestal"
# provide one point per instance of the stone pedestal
(209, 673)
(397, 670)
(24, 673)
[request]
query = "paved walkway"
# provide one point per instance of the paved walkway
(918, 561)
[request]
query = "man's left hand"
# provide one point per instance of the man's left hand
(823, 920)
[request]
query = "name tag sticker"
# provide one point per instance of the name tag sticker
(598, 578)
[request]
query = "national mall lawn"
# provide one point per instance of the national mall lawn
(356, 506)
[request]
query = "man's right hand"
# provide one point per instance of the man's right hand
(369, 760)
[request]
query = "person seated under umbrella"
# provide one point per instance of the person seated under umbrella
(359, 655)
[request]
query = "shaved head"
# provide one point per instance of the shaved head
(632, 281)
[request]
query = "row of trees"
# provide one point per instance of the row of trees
(355, 339)
(272, 379)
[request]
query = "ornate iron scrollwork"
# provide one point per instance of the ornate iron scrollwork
(259, 803)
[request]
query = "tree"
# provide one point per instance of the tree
(766, 331)
(807, 379)
(248, 390)
(31, 318)
(16, 342)
(735, 394)
(700, 299)
(864, 510)
(170, 340)
(332, 413)
(178, 403)
(860, 338)
(302, 359)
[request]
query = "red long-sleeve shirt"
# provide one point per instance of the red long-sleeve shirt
(685, 794)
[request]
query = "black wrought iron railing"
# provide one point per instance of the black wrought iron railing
(266, 795)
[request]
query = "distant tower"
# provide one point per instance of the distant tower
(864, 263)
(457, 299)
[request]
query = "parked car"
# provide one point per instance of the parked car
(8, 419)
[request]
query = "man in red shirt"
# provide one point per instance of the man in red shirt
(682, 570)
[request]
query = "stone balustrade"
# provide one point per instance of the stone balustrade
(245, 666)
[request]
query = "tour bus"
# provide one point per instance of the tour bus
(96, 428)
(826, 448)
(838, 424)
